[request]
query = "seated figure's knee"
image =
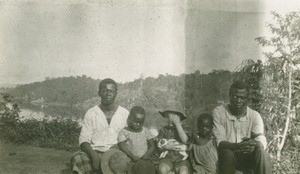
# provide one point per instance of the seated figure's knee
(140, 167)
(259, 150)
(259, 147)
(226, 154)
(163, 168)
(183, 170)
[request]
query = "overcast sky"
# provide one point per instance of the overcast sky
(104, 38)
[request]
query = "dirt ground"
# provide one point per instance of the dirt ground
(21, 159)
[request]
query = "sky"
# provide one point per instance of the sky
(129, 39)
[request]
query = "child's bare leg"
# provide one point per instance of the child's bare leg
(164, 168)
(171, 172)
(182, 170)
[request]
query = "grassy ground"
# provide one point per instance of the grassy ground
(21, 159)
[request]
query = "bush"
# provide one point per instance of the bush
(56, 133)
(289, 162)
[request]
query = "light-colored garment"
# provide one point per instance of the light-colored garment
(136, 142)
(181, 147)
(204, 158)
(96, 130)
(228, 128)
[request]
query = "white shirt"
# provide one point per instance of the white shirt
(96, 130)
(228, 128)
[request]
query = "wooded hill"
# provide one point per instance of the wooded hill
(197, 92)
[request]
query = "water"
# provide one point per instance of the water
(29, 114)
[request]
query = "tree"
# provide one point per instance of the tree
(280, 86)
(252, 73)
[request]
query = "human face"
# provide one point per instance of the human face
(136, 122)
(108, 94)
(238, 99)
(205, 127)
(169, 120)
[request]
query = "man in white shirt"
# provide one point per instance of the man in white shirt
(100, 128)
(239, 131)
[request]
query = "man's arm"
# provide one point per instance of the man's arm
(257, 133)
(244, 146)
(219, 132)
(86, 147)
(85, 138)
(228, 145)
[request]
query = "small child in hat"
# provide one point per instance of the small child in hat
(138, 142)
(174, 160)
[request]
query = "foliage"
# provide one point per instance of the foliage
(281, 86)
(252, 73)
(196, 92)
(275, 85)
(153, 93)
(289, 162)
(57, 133)
(63, 90)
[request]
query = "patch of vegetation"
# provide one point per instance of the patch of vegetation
(57, 133)
(275, 90)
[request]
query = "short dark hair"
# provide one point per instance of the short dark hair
(238, 84)
(137, 110)
(203, 117)
(107, 81)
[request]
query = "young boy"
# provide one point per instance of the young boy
(137, 142)
(173, 161)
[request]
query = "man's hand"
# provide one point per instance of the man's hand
(247, 145)
(95, 163)
(86, 147)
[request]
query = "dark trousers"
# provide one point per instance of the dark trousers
(257, 161)
(143, 167)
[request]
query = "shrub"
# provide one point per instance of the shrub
(56, 133)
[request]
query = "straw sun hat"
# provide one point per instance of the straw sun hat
(175, 108)
(114, 161)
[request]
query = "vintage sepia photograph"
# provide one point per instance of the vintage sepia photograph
(149, 87)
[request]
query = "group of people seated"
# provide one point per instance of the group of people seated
(114, 141)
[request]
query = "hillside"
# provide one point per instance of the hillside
(197, 92)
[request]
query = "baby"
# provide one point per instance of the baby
(181, 147)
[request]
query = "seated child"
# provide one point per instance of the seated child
(203, 147)
(174, 159)
(137, 142)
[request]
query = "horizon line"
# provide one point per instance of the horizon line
(13, 85)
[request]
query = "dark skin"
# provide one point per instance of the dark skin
(135, 124)
(238, 108)
(107, 94)
(204, 131)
